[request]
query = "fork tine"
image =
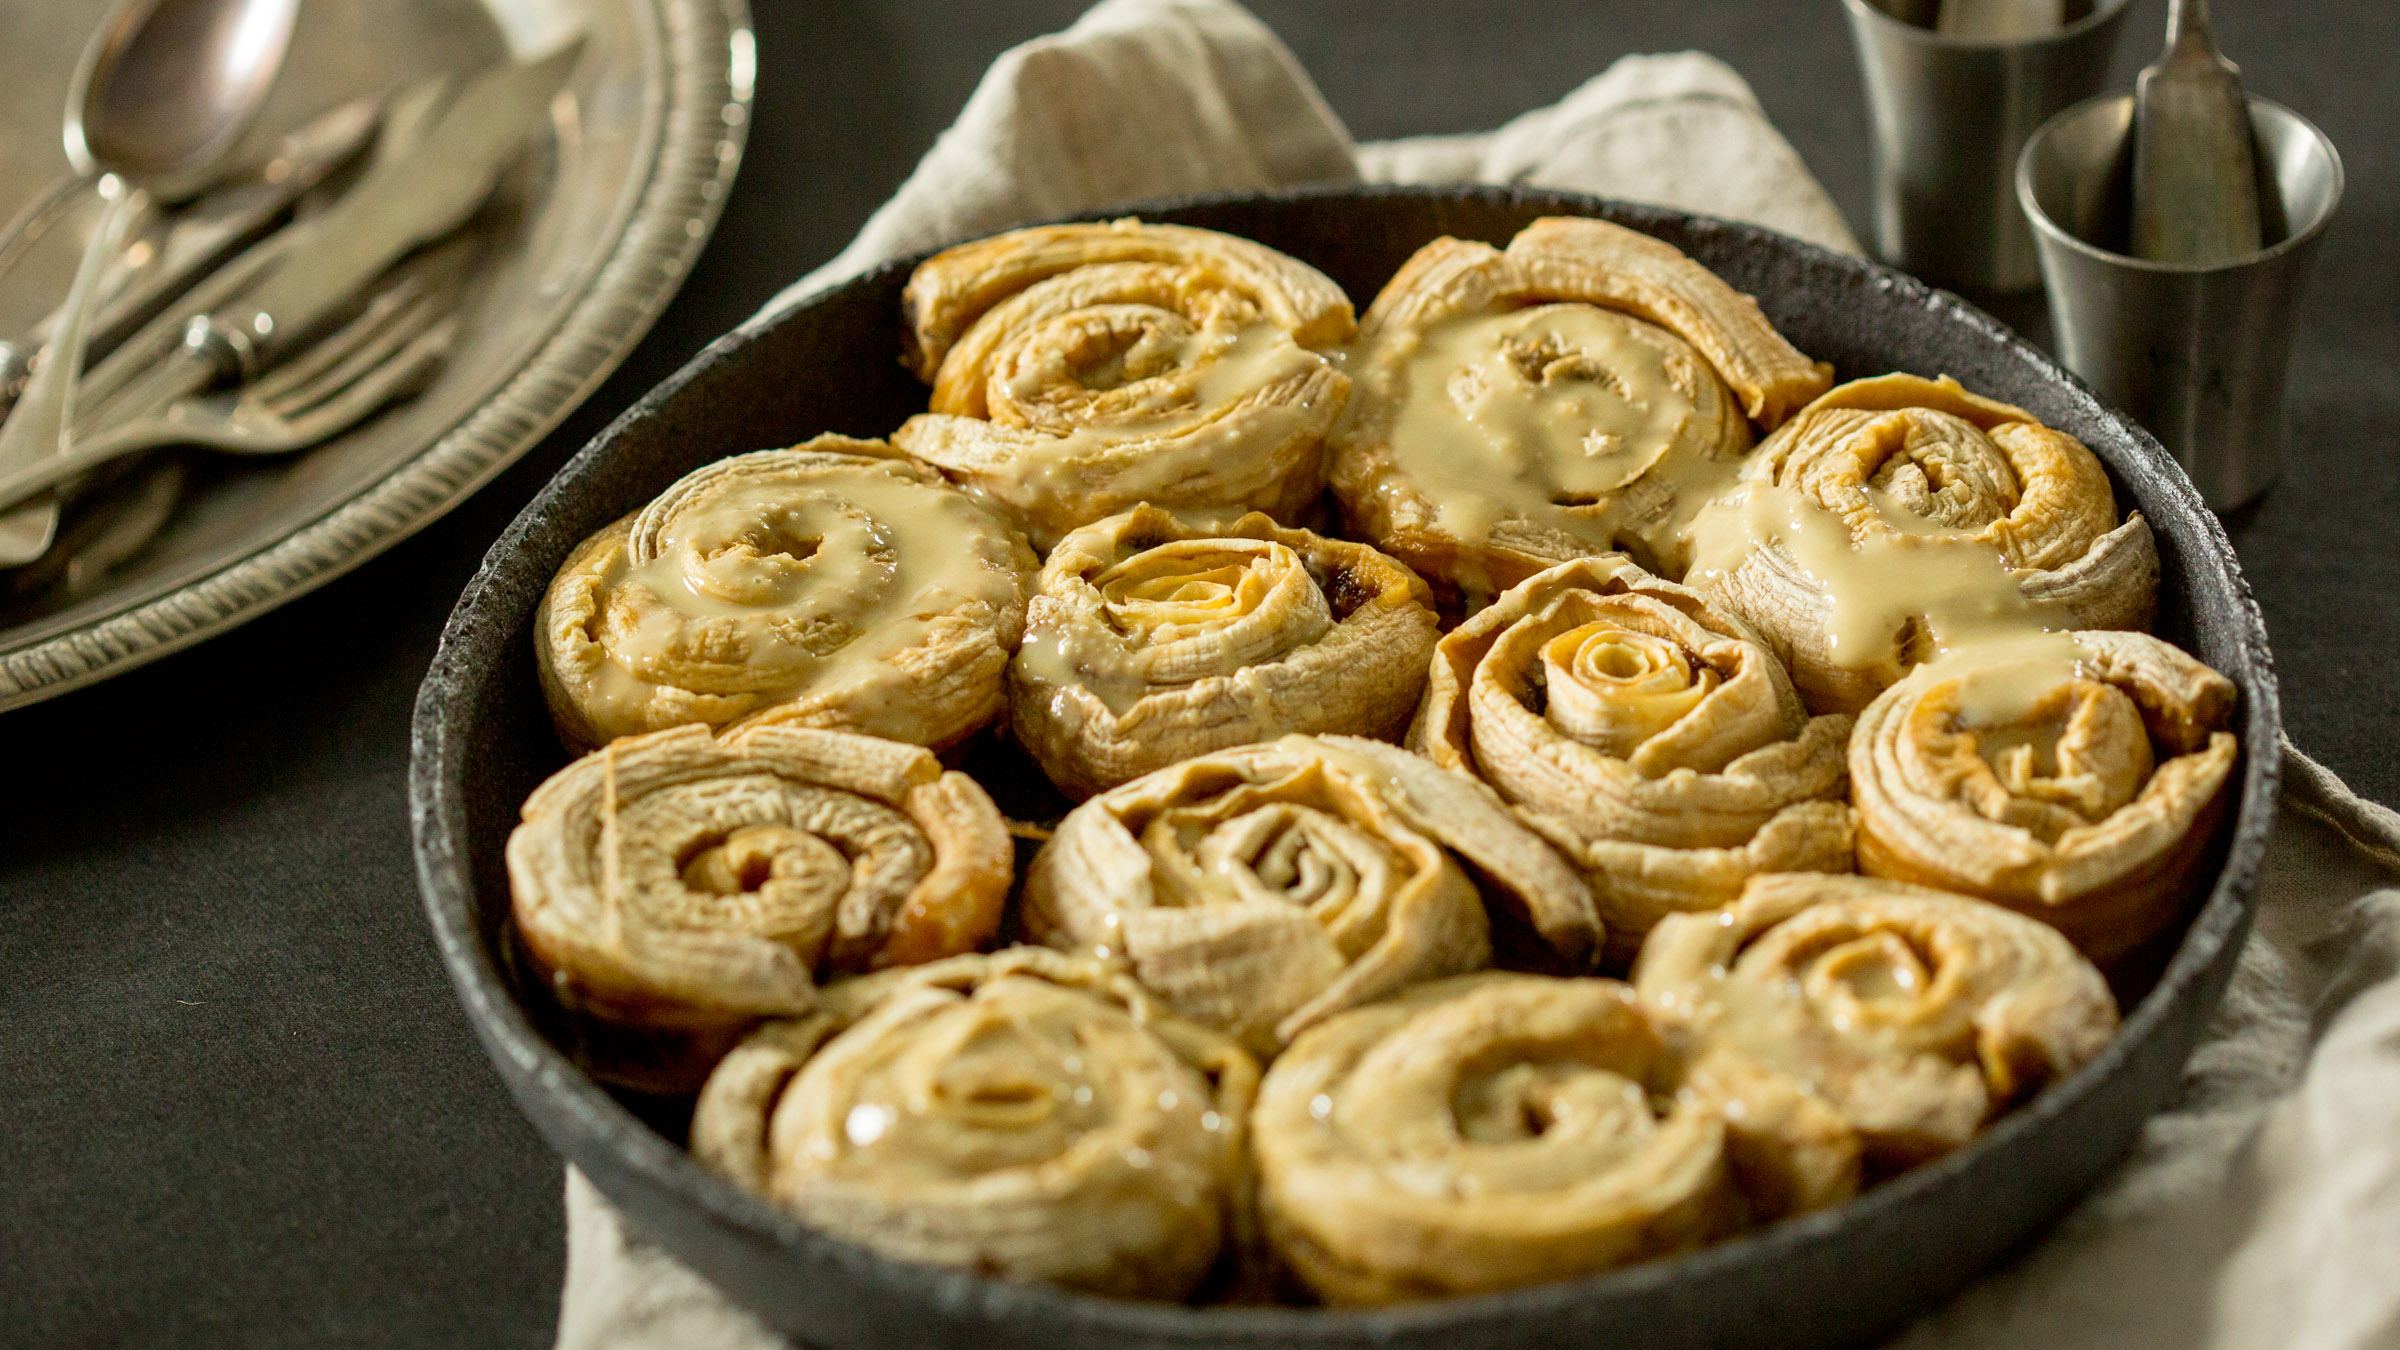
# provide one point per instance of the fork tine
(421, 289)
(393, 333)
(335, 348)
(394, 378)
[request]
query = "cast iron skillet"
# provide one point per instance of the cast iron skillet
(482, 741)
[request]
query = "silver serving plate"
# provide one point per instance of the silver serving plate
(604, 224)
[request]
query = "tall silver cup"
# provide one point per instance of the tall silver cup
(2197, 353)
(1950, 115)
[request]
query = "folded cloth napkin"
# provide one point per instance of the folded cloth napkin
(2261, 1210)
(1169, 98)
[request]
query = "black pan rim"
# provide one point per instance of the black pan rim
(437, 817)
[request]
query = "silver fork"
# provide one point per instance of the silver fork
(387, 352)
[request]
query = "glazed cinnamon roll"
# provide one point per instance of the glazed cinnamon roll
(1264, 888)
(1583, 390)
(1079, 370)
(672, 889)
(1852, 1027)
(1895, 516)
(1482, 1133)
(1024, 1114)
(833, 585)
(2078, 782)
(1646, 733)
(1149, 641)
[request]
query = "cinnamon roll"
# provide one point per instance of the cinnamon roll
(1853, 1027)
(1024, 1114)
(1079, 370)
(1897, 517)
(2078, 782)
(832, 585)
(1264, 888)
(1646, 733)
(672, 889)
(1583, 390)
(1149, 641)
(1482, 1133)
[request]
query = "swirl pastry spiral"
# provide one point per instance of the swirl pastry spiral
(1482, 1133)
(674, 888)
(1646, 733)
(1854, 1027)
(2080, 789)
(1149, 641)
(1079, 370)
(1264, 888)
(832, 585)
(1888, 500)
(1581, 391)
(1025, 1114)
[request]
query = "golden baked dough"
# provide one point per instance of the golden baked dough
(1264, 888)
(1646, 733)
(1079, 370)
(832, 585)
(672, 889)
(1896, 516)
(1854, 1027)
(2081, 789)
(1026, 1114)
(1149, 641)
(1697, 678)
(1583, 390)
(1482, 1133)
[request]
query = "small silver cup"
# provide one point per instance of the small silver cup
(2196, 353)
(1950, 115)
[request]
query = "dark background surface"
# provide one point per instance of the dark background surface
(240, 1104)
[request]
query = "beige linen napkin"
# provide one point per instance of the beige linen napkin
(2261, 1210)
(1167, 98)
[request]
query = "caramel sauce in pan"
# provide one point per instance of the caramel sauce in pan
(1513, 414)
(1529, 411)
(1974, 613)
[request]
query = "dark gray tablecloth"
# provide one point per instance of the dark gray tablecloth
(237, 1103)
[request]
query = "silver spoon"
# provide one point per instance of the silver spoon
(2195, 172)
(163, 93)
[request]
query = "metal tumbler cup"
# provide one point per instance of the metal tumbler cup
(2197, 353)
(1950, 114)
